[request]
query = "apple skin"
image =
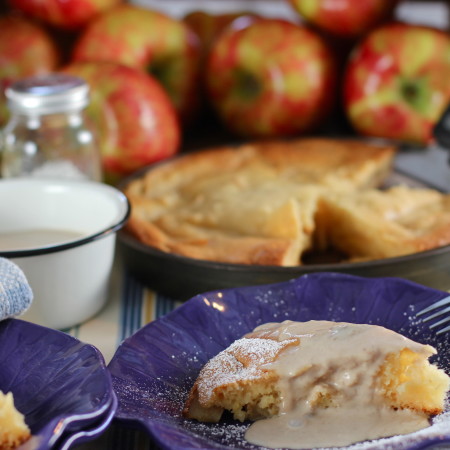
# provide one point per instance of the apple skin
(135, 121)
(344, 18)
(65, 14)
(208, 26)
(396, 84)
(263, 88)
(150, 41)
(26, 49)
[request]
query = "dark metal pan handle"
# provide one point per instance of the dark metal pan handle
(442, 130)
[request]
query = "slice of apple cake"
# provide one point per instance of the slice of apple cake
(321, 384)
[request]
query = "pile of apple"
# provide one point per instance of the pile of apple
(152, 76)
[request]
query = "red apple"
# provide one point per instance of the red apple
(135, 120)
(397, 84)
(346, 18)
(150, 41)
(26, 49)
(67, 14)
(271, 78)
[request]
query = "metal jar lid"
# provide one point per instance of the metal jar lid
(48, 94)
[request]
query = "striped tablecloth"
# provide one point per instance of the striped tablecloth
(130, 306)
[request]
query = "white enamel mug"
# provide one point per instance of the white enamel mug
(62, 234)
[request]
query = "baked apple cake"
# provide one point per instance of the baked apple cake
(275, 203)
(320, 384)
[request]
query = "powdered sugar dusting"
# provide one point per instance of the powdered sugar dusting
(230, 435)
(242, 360)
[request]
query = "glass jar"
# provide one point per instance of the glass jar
(47, 134)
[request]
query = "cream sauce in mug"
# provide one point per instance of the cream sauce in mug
(36, 238)
(343, 360)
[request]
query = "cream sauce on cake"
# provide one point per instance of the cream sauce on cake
(328, 386)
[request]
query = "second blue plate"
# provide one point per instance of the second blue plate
(59, 383)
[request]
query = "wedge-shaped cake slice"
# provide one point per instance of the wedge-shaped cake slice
(372, 224)
(320, 384)
(270, 222)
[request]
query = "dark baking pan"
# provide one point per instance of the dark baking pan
(181, 278)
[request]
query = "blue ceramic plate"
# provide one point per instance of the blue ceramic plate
(153, 370)
(60, 384)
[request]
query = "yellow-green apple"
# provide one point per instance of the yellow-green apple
(135, 120)
(397, 84)
(66, 14)
(271, 78)
(26, 49)
(346, 18)
(150, 41)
